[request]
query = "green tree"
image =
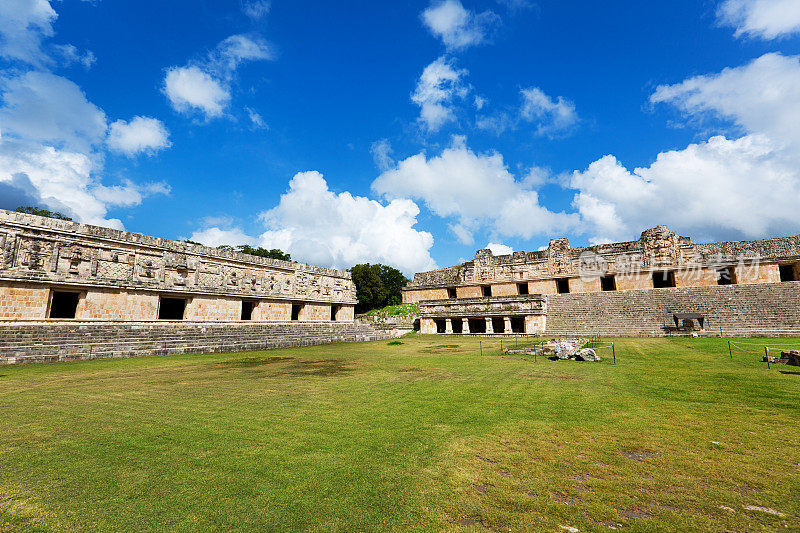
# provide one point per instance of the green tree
(273, 253)
(393, 281)
(377, 286)
(370, 291)
(41, 212)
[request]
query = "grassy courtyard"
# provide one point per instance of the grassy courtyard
(423, 435)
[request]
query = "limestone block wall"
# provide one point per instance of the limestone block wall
(578, 285)
(213, 308)
(346, 313)
(546, 286)
(316, 313)
(100, 304)
(273, 311)
(37, 342)
(747, 309)
(23, 301)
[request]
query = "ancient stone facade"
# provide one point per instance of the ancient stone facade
(58, 270)
(636, 271)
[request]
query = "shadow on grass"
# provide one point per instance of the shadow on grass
(795, 372)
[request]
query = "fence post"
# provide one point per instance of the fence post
(730, 352)
(90, 351)
(481, 342)
(501, 346)
(613, 353)
(766, 354)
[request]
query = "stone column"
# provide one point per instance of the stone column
(465, 325)
(506, 324)
(448, 325)
(489, 327)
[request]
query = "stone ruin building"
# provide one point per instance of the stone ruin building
(657, 285)
(74, 291)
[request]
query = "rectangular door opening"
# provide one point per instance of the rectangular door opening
(441, 326)
(297, 309)
(787, 272)
(562, 285)
(334, 312)
(726, 276)
(663, 279)
(64, 304)
(608, 283)
(522, 288)
(171, 308)
(477, 325)
(498, 324)
(458, 325)
(517, 324)
(487, 290)
(451, 293)
(247, 310)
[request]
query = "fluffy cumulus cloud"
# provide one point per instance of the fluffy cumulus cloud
(53, 138)
(766, 19)
(438, 87)
(499, 249)
(140, 135)
(256, 9)
(457, 27)
(190, 88)
(552, 116)
(205, 86)
(319, 226)
(762, 96)
(473, 191)
(724, 187)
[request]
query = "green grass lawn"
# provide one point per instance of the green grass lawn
(423, 435)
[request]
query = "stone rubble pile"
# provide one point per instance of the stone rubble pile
(569, 349)
(791, 358)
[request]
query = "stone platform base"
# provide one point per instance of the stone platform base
(39, 342)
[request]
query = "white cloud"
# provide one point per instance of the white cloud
(256, 9)
(767, 19)
(321, 227)
(458, 28)
(189, 88)
(52, 135)
(256, 119)
(140, 135)
(215, 236)
(720, 188)
(439, 84)
(499, 249)
(205, 86)
(477, 190)
(553, 116)
(43, 107)
(762, 96)
(23, 26)
(381, 152)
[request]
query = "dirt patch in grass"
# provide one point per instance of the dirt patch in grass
(481, 488)
(246, 362)
(560, 498)
(321, 367)
(638, 456)
(464, 521)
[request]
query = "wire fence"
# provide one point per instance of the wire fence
(759, 348)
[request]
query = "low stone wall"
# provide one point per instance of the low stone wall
(37, 342)
(741, 310)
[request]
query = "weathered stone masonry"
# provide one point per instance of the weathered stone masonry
(630, 288)
(109, 284)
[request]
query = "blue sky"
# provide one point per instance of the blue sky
(407, 133)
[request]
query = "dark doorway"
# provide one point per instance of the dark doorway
(441, 326)
(247, 310)
(608, 283)
(487, 290)
(477, 325)
(64, 304)
(562, 285)
(522, 288)
(458, 326)
(663, 279)
(726, 276)
(498, 324)
(171, 308)
(517, 324)
(787, 272)
(334, 312)
(296, 310)
(451, 293)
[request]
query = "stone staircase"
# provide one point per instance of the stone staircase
(37, 342)
(769, 309)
